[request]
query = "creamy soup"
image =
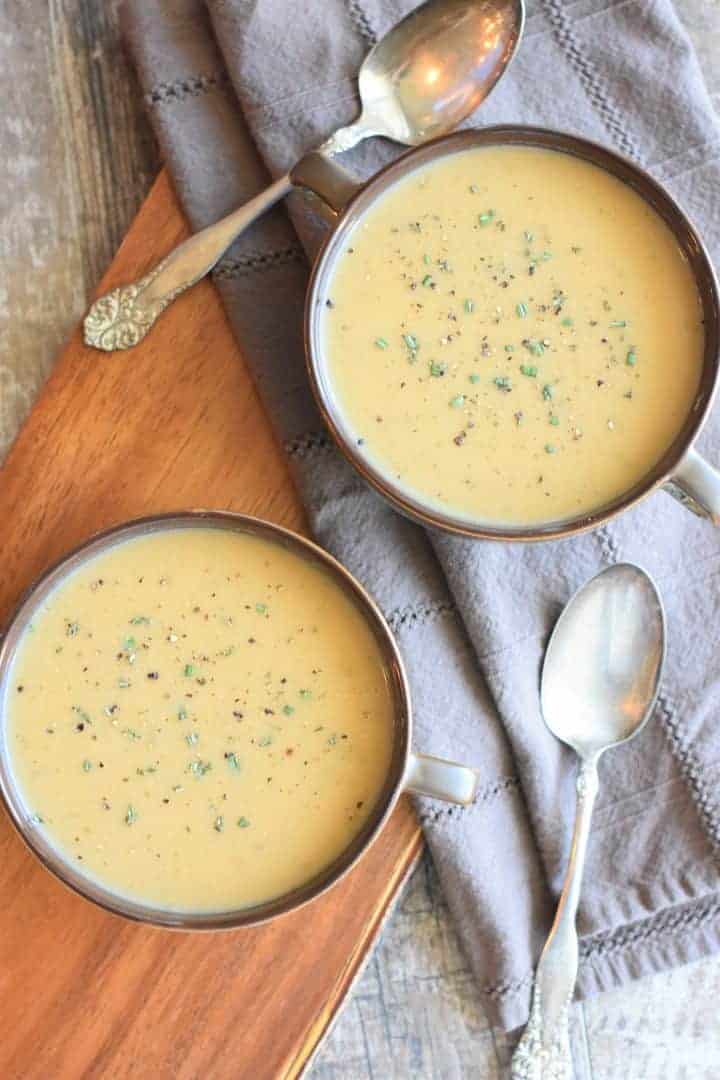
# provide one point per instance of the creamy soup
(513, 335)
(199, 719)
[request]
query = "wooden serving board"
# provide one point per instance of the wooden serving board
(173, 424)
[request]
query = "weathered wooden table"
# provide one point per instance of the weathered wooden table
(76, 159)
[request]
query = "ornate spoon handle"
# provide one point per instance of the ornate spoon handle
(543, 1052)
(122, 318)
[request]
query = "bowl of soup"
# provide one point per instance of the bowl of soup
(512, 334)
(205, 721)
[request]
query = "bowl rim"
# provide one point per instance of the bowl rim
(90, 888)
(622, 168)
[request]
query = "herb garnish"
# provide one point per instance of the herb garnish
(199, 768)
(131, 815)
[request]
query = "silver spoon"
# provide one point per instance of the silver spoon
(428, 73)
(599, 684)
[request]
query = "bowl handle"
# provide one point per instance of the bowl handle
(440, 779)
(322, 177)
(696, 484)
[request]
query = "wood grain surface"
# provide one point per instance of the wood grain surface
(85, 994)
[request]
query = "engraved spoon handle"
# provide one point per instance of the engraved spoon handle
(543, 1052)
(122, 317)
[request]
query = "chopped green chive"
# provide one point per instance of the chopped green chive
(437, 368)
(129, 643)
(219, 823)
(306, 694)
(474, 378)
(509, 348)
(87, 765)
(265, 740)
(381, 342)
(619, 322)
(458, 401)
(554, 420)
(546, 255)
(522, 310)
(528, 236)
(36, 819)
(233, 760)
(631, 358)
(199, 768)
(123, 683)
(71, 628)
(412, 342)
(529, 369)
(192, 739)
(487, 217)
(261, 608)
(547, 392)
(474, 189)
(427, 280)
(138, 620)
(535, 347)
(469, 306)
(182, 713)
(567, 322)
(502, 382)
(189, 670)
(131, 815)
(288, 710)
(426, 260)
(549, 448)
(243, 823)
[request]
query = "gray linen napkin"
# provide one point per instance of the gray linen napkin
(243, 76)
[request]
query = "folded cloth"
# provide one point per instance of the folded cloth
(237, 90)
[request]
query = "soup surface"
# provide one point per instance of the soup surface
(199, 719)
(513, 335)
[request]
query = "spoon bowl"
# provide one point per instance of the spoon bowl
(602, 666)
(433, 69)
